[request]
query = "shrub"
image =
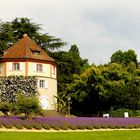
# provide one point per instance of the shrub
(136, 113)
(28, 126)
(5, 108)
(104, 126)
(56, 127)
(73, 127)
(118, 127)
(64, 126)
(136, 126)
(27, 105)
(37, 126)
(96, 126)
(81, 127)
(131, 126)
(46, 126)
(89, 127)
(9, 126)
(120, 112)
(18, 126)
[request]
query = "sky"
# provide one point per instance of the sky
(98, 27)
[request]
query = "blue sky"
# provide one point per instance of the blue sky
(98, 27)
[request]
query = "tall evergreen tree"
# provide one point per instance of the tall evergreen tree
(10, 32)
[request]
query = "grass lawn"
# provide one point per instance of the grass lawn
(96, 135)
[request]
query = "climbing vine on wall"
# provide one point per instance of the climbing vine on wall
(13, 85)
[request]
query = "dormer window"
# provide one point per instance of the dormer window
(37, 52)
(39, 67)
(16, 66)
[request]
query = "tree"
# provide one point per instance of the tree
(10, 32)
(61, 104)
(69, 63)
(28, 105)
(124, 57)
(74, 49)
(117, 57)
(85, 91)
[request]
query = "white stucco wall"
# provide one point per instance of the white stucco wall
(49, 92)
(10, 71)
(32, 69)
(46, 95)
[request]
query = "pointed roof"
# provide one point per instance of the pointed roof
(26, 48)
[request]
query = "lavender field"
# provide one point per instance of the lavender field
(65, 123)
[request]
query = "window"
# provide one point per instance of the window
(39, 67)
(16, 66)
(42, 83)
(37, 52)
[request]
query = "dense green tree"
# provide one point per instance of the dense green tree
(85, 91)
(10, 32)
(100, 89)
(117, 57)
(27, 105)
(124, 57)
(74, 49)
(69, 63)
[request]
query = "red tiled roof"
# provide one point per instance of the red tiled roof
(26, 48)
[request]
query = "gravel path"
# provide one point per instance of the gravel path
(52, 130)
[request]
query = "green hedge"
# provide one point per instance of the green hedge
(120, 113)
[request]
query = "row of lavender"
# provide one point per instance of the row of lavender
(70, 123)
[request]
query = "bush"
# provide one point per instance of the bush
(5, 108)
(120, 113)
(64, 127)
(118, 127)
(9, 126)
(97, 127)
(18, 126)
(37, 126)
(56, 127)
(27, 105)
(28, 126)
(82, 127)
(136, 113)
(89, 127)
(73, 127)
(46, 126)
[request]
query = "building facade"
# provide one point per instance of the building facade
(26, 58)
